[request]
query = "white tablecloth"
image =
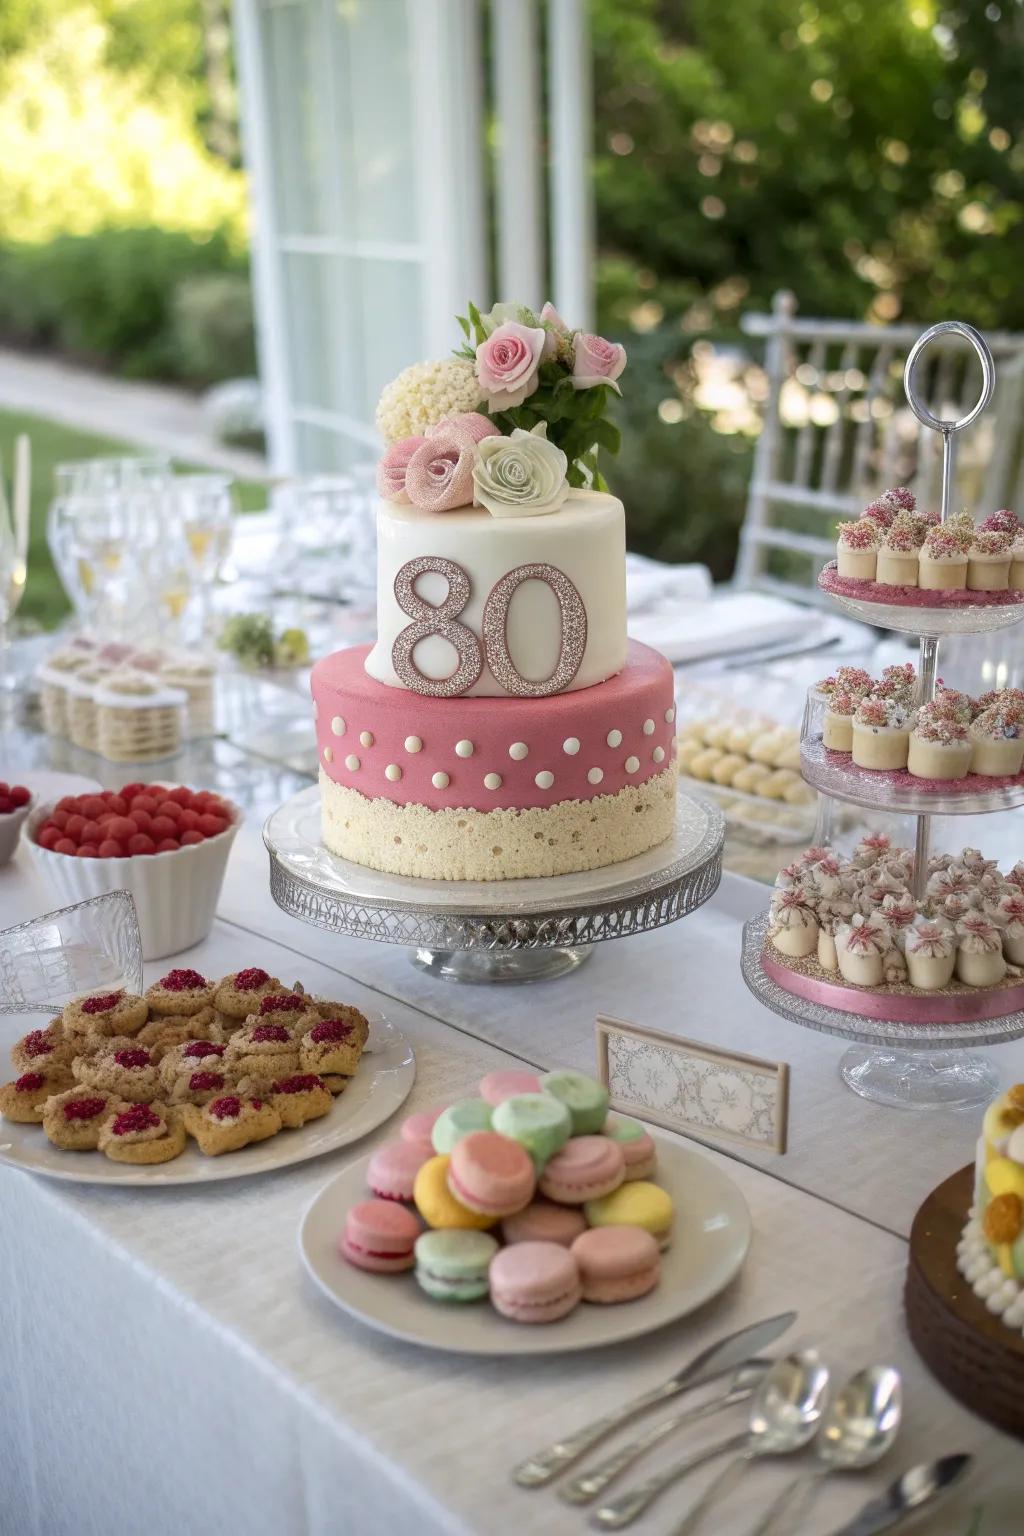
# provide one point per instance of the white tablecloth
(167, 1369)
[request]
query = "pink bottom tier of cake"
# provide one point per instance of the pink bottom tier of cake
(495, 788)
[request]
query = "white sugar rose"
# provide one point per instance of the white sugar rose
(520, 476)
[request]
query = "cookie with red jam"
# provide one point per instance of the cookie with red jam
(179, 994)
(161, 1034)
(191, 1056)
(328, 1010)
(301, 1097)
(22, 1101)
(105, 1013)
(262, 1052)
(241, 993)
(127, 1073)
(43, 1049)
(143, 1134)
(294, 1010)
(332, 1049)
(73, 1120)
(229, 1122)
(200, 1086)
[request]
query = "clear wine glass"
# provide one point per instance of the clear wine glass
(203, 508)
(87, 524)
(317, 517)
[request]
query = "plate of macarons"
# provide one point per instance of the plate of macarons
(525, 1220)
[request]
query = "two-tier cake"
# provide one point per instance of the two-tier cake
(503, 725)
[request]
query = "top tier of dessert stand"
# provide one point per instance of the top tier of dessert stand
(898, 1064)
(502, 930)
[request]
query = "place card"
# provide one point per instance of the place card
(686, 1086)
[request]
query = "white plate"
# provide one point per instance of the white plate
(710, 1241)
(386, 1074)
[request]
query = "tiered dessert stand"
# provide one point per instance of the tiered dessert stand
(504, 930)
(926, 1061)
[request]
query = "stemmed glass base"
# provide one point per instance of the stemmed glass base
(919, 1079)
(482, 966)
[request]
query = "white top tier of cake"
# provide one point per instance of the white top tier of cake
(585, 540)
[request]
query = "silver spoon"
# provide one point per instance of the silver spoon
(595, 1480)
(859, 1427)
(785, 1415)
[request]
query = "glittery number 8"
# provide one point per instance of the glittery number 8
(435, 619)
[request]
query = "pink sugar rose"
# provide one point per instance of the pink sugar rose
(474, 423)
(391, 469)
(507, 364)
(439, 476)
(596, 361)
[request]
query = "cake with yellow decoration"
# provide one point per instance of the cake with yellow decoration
(990, 1254)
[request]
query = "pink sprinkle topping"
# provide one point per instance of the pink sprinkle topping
(203, 1048)
(135, 1057)
(873, 711)
(28, 1082)
(266, 1032)
(901, 497)
(905, 534)
(880, 512)
(84, 1109)
(102, 1004)
(991, 542)
(291, 1002)
(303, 1082)
(202, 1082)
(251, 980)
(940, 543)
(332, 1029)
(227, 1108)
(183, 981)
(1003, 521)
(863, 534)
(256, 1103)
(37, 1043)
(139, 1118)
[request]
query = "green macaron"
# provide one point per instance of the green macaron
(538, 1121)
(452, 1266)
(459, 1120)
(586, 1100)
(621, 1128)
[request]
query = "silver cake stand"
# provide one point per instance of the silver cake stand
(502, 930)
(906, 1066)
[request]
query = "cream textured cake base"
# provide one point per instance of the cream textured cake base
(562, 839)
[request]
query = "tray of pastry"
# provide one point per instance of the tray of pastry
(751, 767)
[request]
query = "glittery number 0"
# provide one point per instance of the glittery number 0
(435, 619)
(573, 640)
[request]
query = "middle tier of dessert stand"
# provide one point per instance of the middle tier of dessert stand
(906, 1052)
(503, 930)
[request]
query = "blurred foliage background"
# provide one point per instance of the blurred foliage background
(867, 154)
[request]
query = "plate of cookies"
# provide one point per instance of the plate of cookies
(526, 1220)
(197, 1080)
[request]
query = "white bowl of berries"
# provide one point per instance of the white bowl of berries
(15, 804)
(166, 845)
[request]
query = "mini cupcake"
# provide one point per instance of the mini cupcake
(997, 741)
(988, 561)
(332, 1050)
(979, 956)
(861, 947)
(899, 553)
(930, 948)
(881, 733)
(832, 915)
(179, 994)
(105, 1013)
(793, 926)
(129, 1073)
(943, 563)
(1008, 915)
(939, 747)
(857, 549)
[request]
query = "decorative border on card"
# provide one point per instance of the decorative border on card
(686, 1086)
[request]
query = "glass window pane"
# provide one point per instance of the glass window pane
(392, 304)
(303, 154)
(322, 303)
(375, 98)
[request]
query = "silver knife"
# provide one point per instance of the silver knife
(906, 1496)
(722, 1357)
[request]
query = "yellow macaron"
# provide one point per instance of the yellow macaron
(637, 1204)
(436, 1203)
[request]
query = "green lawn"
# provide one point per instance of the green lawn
(53, 444)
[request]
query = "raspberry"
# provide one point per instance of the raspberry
(212, 826)
(265, 1032)
(49, 837)
(182, 981)
(203, 1048)
(332, 1029)
(139, 1118)
(118, 804)
(140, 844)
(93, 807)
(28, 1082)
(110, 848)
(171, 809)
(20, 795)
(249, 981)
(121, 828)
(168, 845)
(88, 851)
(190, 820)
(163, 826)
(131, 790)
(291, 1002)
(103, 1003)
(134, 1057)
(6, 805)
(226, 1108)
(145, 803)
(202, 1082)
(189, 839)
(180, 795)
(84, 1109)
(65, 845)
(303, 1082)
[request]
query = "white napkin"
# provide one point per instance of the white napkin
(723, 623)
(651, 585)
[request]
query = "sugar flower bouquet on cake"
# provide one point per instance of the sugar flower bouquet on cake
(511, 422)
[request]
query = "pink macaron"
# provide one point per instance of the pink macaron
(637, 1145)
(534, 1282)
(380, 1236)
(543, 1222)
(393, 1168)
(616, 1263)
(496, 1087)
(586, 1168)
(416, 1129)
(491, 1174)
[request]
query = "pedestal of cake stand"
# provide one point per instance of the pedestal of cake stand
(904, 1066)
(503, 930)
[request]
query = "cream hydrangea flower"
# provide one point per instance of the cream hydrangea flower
(423, 395)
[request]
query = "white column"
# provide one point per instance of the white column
(570, 119)
(268, 298)
(447, 183)
(515, 71)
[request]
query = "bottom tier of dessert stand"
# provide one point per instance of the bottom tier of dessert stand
(504, 930)
(904, 1066)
